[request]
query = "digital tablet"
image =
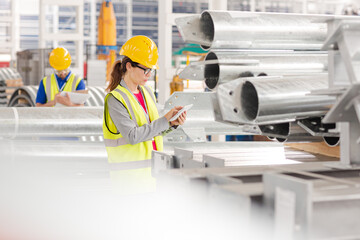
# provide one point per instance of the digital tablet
(75, 97)
(185, 108)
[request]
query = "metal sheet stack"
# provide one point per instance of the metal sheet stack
(265, 68)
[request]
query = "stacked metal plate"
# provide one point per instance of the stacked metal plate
(229, 154)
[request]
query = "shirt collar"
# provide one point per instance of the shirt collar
(123, 84)
(65, 79)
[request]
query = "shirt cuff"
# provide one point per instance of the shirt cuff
(164, 123)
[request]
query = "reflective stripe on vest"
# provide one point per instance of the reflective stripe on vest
(51, 86)
(117, 148)
(129, 165)
(115, 142)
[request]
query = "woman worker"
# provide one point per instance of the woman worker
(132, 127)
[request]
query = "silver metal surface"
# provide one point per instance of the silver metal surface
(227, 102)
(343, 40)
(304, 201)
(161, 161)
(288, 132)
(54, 149)
(271, 100)
(27, 121)
(248, 155)
(216, 29)
(224, 154)
(9, 74)
(317, 196)
(224, 66)
(346, 111)
(200, 120)
(316, 127)
(194, 71)
(264, 99)
(343, 36)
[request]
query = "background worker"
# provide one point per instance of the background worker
(132, 126)
(62, 80)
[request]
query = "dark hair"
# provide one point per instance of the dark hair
(118, 72)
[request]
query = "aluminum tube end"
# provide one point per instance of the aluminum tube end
(211, 71)
(194, 29)
(207, 26)
(249, 101)
(281, 140)
(276, 130)
(332, 141)
(299, 139)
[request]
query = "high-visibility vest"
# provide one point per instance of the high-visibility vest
(51, 86)
(118, 149)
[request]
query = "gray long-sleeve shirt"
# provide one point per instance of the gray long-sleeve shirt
(128, 129)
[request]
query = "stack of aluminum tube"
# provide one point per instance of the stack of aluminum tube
(264, 67)
(51, 122)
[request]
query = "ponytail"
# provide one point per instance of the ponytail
(117, 73)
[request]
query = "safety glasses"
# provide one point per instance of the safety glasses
(62, 71)
(146, 70)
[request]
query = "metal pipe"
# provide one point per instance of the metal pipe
(298, 134)
(55, 149)
(200, 120)
(74, 122)
(265, 98)
(216, 29)
(288, 132)
(224, 66)
(332, 141)
(304, 138)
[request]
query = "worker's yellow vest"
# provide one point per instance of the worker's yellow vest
(118, 149)
(129, 169)
(51, 86)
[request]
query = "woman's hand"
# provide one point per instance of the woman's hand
(180, 120)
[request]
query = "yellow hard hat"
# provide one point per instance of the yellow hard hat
(60, 58)
(141, 49)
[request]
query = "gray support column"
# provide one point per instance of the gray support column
(217, 5)
(129, 16)
(165, 50)
(93, 22)
(15, 29)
